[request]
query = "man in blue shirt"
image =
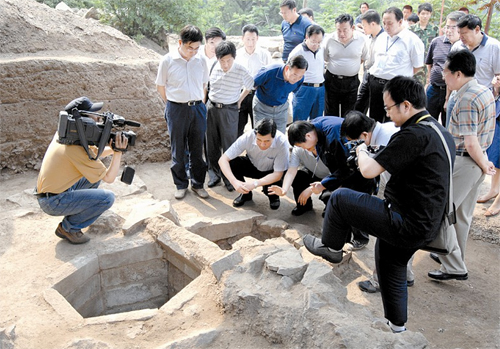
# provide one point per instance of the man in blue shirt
(293, 27)
(273, 84)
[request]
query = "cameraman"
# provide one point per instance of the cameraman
(68, 181)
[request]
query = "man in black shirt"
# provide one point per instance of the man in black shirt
(416, 195)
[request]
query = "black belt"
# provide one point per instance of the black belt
(462, 153)
(189, 103)
(342, 76)
(312, 85)
(45, 195)
(221, 105)
(379, 80)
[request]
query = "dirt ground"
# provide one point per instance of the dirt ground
(454, 314)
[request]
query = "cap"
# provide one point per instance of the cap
(83, 103)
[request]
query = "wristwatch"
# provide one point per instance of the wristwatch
(255, 184)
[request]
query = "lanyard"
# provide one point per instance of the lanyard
(387, 47)
(422, 118)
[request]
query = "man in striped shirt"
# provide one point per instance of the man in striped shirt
(225, 95)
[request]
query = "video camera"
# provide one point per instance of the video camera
(352, 160)
(77, 126)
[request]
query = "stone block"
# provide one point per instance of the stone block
(133, 273)
(273, 227)
(224, 227)
(226, 263)
(134, 293)
(183, 265)
(93, 307)
(74, 274)
(287, 263)
(196, 340)
(139, 252)
(62, 307)
(136, 219)
(138, 315)
(317, 273)
(153, 303)
(89, 290)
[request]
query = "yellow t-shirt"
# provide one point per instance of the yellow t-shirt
(64, 165)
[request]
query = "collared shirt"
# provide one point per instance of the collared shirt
(272, 89)
(371, 56)
(273, 158)
(397, 55)
(420, 178)
(183, 80)
(345, 59)
(225, 87)
(487, 59)
(293, 34)
(302, 157)
(314, 72)
(210, 61)
(473, 114)
(253, 62)
(426, 35)
(438, 51)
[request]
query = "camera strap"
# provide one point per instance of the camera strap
(83, 139)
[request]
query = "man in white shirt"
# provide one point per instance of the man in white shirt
(181, 82)
(227, 79)
(397, 51)
(309, 99)
(252, 57)
(213, 37)
(345, 50)
(265, 160)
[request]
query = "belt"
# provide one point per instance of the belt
(312, 85)
(342, 76)
(379, 80)
(462, 153)
(45, 195)
(189, 103)
(221, 105)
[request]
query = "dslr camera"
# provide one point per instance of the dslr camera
(352, 160)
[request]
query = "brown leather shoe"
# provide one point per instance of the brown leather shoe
(76, 237)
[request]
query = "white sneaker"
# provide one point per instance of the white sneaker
(180, 193)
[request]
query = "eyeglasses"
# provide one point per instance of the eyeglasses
(392, 106)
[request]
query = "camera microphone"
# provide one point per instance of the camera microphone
(132, 123)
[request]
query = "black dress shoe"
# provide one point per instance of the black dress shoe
(367, 286)
(435, 258)
(229, 187)
(274, 203)
(316, 247)
(241, 199)
(439, 275)
(213, 183)
(299, 210)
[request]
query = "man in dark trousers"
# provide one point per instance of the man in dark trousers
(415, 197)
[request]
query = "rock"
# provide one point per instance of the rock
(273, 227)
(136, 219)
(63, 7)
(8, 337)
(92, 13)
(225, 263)
(287, 263)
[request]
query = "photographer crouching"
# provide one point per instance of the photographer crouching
(69, 178)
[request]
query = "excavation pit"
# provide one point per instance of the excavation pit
(143, 276)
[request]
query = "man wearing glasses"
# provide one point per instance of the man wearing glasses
(181, 81)
(309, 100)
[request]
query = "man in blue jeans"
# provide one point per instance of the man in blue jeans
(416, 195)
(68, 181)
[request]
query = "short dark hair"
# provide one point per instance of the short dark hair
(425, 6)
(403, 88)
(314, 29)
(355, 123)
(225, 48)
(397, 12)
(308, 11)
(298, 62)
(343, 18)
(408, 7)
(364, 3)
(191, 33)
(265, 126)
(215, 32)
(455, 16)
(371, 16)
(413, 18)
(298, 130)
(291, 4)
(250, 28)
(469, 21)
(462, 61)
